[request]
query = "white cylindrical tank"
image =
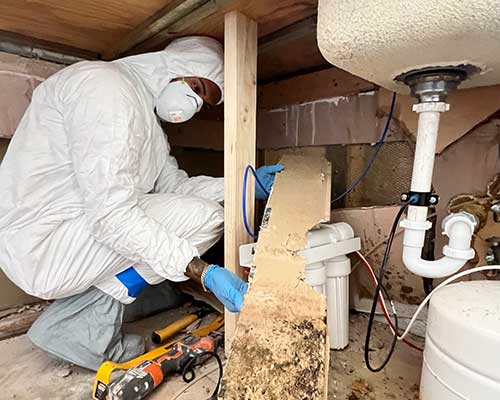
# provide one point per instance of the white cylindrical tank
(462, 346)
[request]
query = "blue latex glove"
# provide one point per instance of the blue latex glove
(266, 176)
(226, 286)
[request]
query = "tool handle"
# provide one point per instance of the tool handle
(160, 335)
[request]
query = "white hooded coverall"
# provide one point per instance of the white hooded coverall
(88, 187)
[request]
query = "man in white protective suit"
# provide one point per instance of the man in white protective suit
(94, 209)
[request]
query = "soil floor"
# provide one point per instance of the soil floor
(27, 373)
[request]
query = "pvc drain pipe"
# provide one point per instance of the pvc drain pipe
(458, 227)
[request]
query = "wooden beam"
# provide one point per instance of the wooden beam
(277, 62)
(280, 349)
(289, 33)
(20, 320)
(330, 82)
(240, 108)
(188, 134)
(160, 20)
(181, 25)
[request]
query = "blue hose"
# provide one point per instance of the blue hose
(244, 197)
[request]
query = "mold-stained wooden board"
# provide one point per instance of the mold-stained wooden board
(280, 350)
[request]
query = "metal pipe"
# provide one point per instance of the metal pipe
(35, 52)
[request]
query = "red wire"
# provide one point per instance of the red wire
(382, 304)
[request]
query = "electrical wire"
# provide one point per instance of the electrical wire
(441, 285)
(188, 374)
(244, 198)
(192, 383)
(377, 293)
(382, 303)
(378, 146)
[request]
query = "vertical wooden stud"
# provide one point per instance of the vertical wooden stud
(240, 108)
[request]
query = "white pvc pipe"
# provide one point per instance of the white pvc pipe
(417, 214)
(329, 233)
(460, 234)
(458, 227)
(445, 266)
(423, 164)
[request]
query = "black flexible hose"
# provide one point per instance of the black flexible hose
(375, 298)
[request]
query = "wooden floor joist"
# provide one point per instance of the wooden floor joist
(280, 348)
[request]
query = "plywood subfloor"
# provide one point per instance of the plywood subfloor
(87, 24)
(27, 373)
(96, 26)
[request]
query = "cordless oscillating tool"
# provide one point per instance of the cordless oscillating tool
(144, 373)
(141, 380)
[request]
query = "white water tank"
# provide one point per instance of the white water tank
(462, 345)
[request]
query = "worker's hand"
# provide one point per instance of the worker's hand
(266, 176)
(226, 286)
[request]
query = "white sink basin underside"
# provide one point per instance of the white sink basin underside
(380, 39)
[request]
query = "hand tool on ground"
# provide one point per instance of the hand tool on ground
(144, 378)
(160, 335)
(103, 376)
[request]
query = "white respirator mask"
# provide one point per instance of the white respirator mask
(178, 102)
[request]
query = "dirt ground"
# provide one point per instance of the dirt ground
(26, 373)
(349, 378)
